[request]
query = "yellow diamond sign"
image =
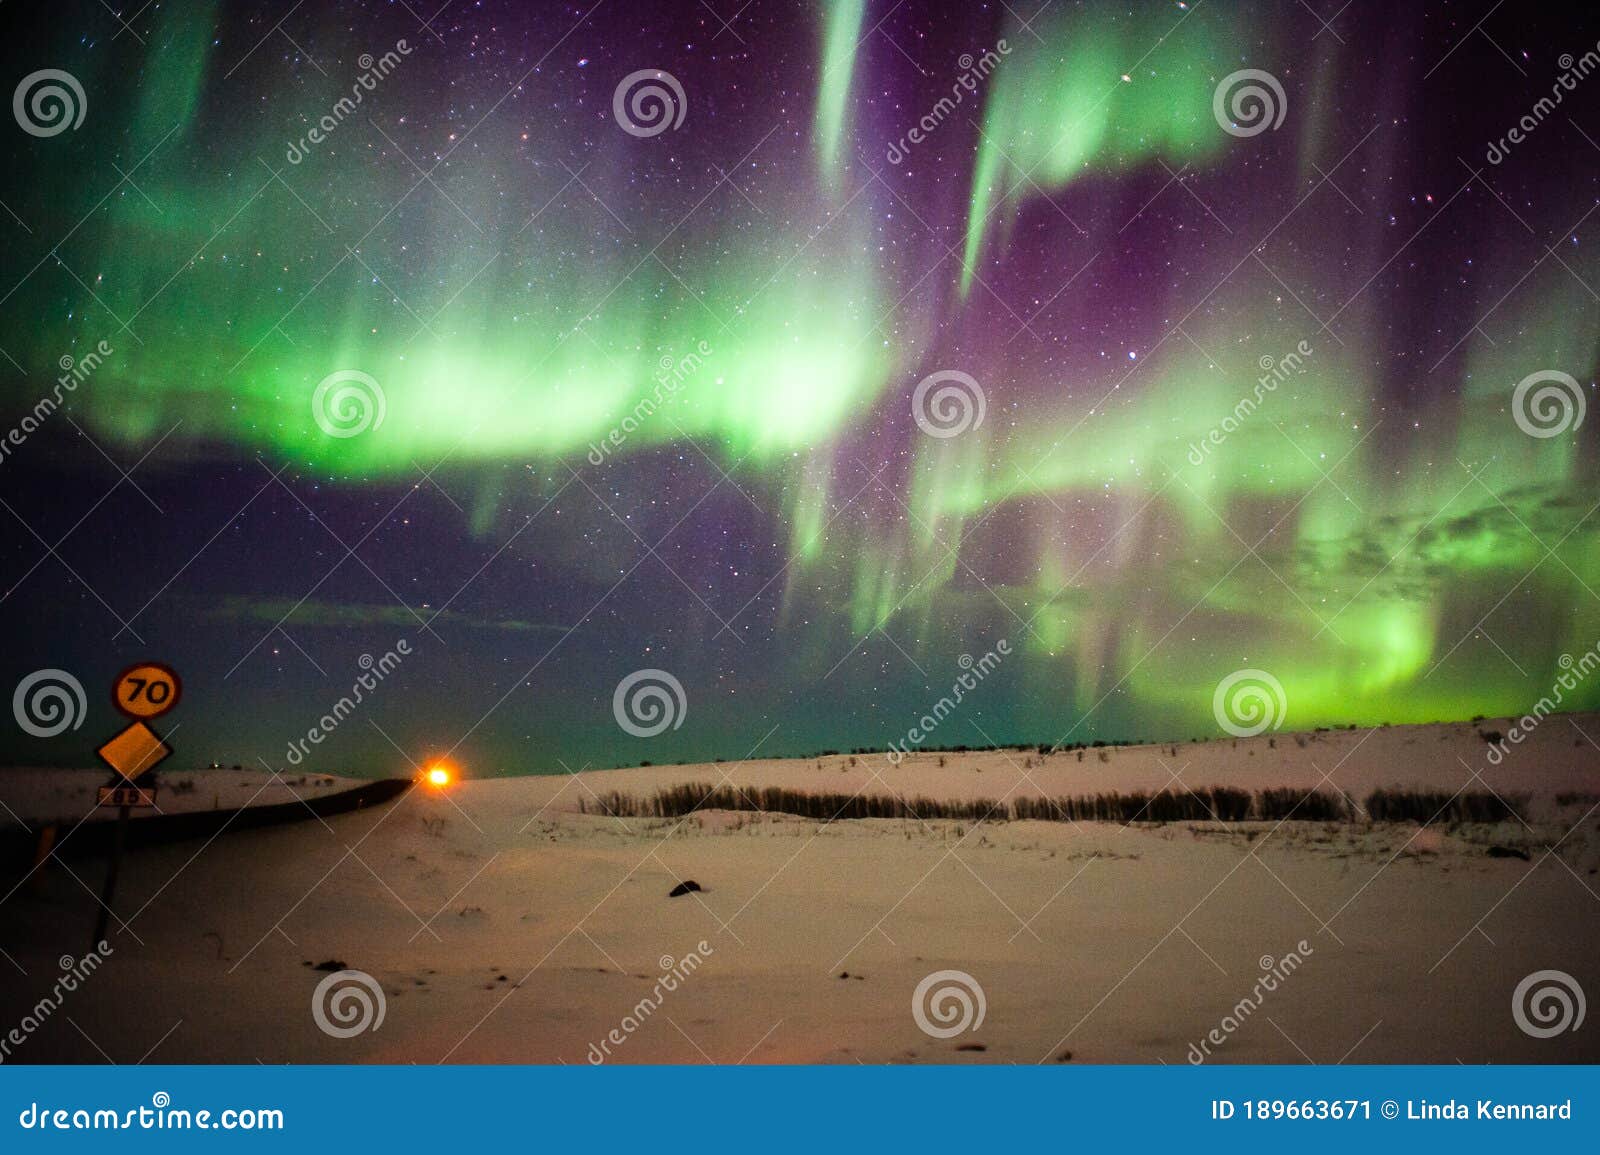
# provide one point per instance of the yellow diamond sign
(134, 751)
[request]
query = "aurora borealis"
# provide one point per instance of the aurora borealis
(739, 307)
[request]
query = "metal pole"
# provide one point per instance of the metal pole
(41, 857)
(102, 922)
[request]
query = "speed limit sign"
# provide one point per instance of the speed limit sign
(147, 690)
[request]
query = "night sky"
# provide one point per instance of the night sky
(364, 361)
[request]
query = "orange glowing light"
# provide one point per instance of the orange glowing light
(439, 776)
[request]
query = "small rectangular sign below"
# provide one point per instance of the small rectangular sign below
(127, 796)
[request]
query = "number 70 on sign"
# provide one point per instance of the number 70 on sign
(147, 690)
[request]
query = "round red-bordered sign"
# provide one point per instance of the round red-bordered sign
(147, 690)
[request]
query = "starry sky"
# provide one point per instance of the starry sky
(472, 331)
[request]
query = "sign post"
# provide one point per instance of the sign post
(146, 690)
